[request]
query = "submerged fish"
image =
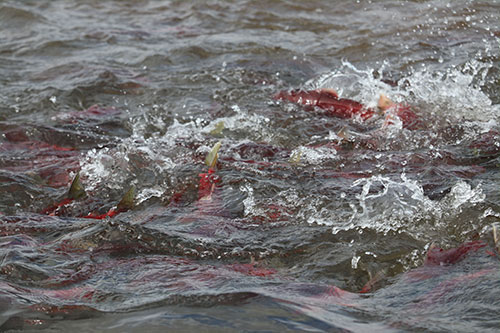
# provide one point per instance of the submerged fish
(172, 276)
(76, 192)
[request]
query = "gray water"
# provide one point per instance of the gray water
(137, 92)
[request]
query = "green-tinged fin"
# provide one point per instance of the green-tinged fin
(295, 158)
(211, 159)
(495, 238)
(76, 190)
(218, 129)
(127, 202)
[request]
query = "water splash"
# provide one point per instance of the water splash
(384, 204)
(313, 155)
(453, 92)
(245, 123)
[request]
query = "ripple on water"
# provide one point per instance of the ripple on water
(140, 92)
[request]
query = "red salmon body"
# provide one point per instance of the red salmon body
(438, 256)
(405, 113)
(328, 100)
(207, 184)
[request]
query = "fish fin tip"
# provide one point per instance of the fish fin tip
(213, 155)
(127, 201)
(76, 190)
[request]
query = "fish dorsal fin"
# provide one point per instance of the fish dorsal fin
(76, 190)
(211, 159)
(127, 201)
(218, 129)
(295, 157)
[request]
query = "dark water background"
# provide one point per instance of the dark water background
(164, 75)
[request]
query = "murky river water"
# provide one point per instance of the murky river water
(308, 209)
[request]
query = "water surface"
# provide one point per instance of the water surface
(137, 92)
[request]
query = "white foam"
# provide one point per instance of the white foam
(257, 126)
(314, 155)
(454, 92)
(384, 204)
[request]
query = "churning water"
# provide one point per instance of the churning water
(308, 210)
